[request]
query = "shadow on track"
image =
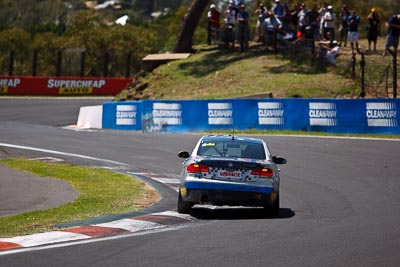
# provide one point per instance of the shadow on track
(204, 213)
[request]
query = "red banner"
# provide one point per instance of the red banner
(61, 86)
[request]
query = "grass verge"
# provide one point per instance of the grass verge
(100, 192)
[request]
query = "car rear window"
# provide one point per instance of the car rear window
(231, 149)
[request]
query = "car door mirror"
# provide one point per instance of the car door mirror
(279, 160)
(183, 154)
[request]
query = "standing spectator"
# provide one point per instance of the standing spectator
(278, 10)
(392, 38)
(230, 21)
(286, 18)
(322, 12)
(243, 29)
(352, 36)
(312, 18)
(230, 15)
(261, 13)
(374, 22)
(329, 22)
(272, 26)
(344, 27)
(301, 16)
(214, 24)
(294, 17)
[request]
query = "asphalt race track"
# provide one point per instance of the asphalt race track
(340, 201)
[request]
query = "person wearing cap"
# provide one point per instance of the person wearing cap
(229, 32)
(278, 9)
(214, 24)
(344, 26)
(329, 22)
(392, 37)
(352, 36)
(262, 14)
(373, 25)
(243, 29)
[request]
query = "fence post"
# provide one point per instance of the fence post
(353, 66)
(82, 69)
(395, 74)
(275, 41)
(59, 63)
(128, 65)
(34, 62)
(11, 63)
(387, 80)
(106, 59)
(362, 65)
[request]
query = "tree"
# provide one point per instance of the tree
(191, 20)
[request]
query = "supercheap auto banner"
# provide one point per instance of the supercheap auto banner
(61, 86)
(325, 115)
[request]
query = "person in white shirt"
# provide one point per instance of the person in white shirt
(329, 22)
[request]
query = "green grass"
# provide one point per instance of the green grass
(214, 73)
(100, 192)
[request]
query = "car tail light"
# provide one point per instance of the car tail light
(197, 168)
(263, 172)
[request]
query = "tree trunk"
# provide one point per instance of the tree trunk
(185, 37)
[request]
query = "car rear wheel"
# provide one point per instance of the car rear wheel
(183, 206)
(273, 209)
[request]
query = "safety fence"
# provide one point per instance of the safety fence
(374, 116)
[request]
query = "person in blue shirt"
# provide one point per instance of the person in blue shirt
(243, 29)
(353, 22)
(392, 38)
(278, 9)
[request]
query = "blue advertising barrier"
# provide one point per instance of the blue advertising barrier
(325, 115)
(122, 115)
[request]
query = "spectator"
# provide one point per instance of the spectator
(230, 21)
(278, 10)
(322, 12)
(286, 18)
(329, 49)
(262, 14)
(294, 17)
(392, 37)
(329, 22)
(374, 22)
(352, 36)
(230, 14)
(272, 26)
(243, 29)
(214, 24)
(312, 18)
(301, 16)
(343, 28)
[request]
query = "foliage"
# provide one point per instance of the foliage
(50, 26)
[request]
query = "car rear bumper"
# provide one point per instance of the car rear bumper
(232, 194)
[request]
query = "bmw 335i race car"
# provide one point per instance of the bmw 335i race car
(230, 170)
